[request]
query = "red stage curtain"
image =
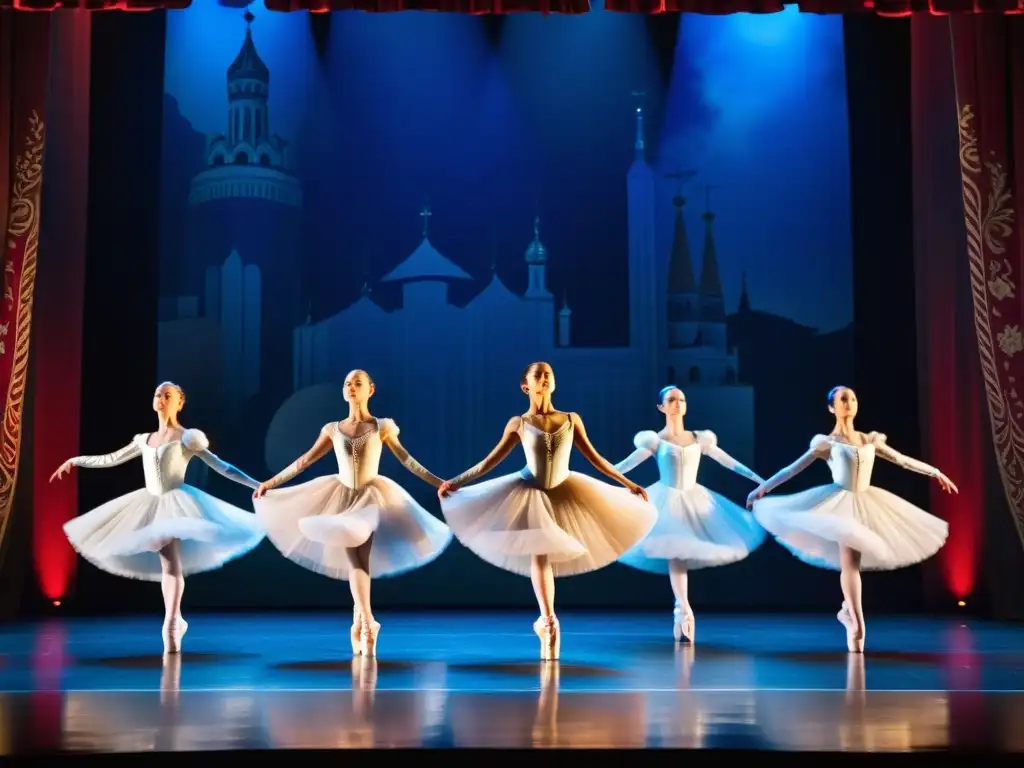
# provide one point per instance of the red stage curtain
(93, 5)
(24, 60)
(953, 429)
(60, 295)
(988, 64)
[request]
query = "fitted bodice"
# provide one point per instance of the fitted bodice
(358, 457)
(678, 464)
(164, 466)
(851, 465)
(547, 453)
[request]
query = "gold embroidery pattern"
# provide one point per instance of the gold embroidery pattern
(24, 225)
(989, 217)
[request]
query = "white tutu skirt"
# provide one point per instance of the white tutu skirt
(313, 523)
(581, 524)
(124, 535)
(889, 532)
(697, 526)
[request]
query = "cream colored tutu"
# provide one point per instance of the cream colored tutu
(581, 524)
(124, 535)
(313, 523)
(889, 532)
(697, 526)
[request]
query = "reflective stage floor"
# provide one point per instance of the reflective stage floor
(273, 682)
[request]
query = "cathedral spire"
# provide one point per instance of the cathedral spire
(680, 268)
(710, 280)
(744, 296)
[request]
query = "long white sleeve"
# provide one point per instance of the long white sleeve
(646, 443)
(196, 442)
(897, 458)
(709, 447)
(120, 456)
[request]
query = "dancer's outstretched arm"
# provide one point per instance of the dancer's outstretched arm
(646, 444)
(320, 448)
(389, 436)
(601, 464)
(819, 450)
(508, 441)
(905, 462)
(196, 442)
(708, 441)
(107, 460)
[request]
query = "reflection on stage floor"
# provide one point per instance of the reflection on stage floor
(278, 682)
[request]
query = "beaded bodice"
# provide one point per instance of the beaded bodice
(678, 464)
(164, 466)
(851, 465)
(358, 457)
(547, 453)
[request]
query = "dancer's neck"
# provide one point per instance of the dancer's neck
(674, 425)
(541, 405)
(358, 412)
(168, 423)
(845, 428)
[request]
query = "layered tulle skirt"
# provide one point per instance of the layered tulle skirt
(124, 536)
(313, 523)
(697, 526)
(889, 532)
(581, 524)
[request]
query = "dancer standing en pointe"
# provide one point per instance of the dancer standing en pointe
(330, 525)
(545, 521)
(851, 526)
(167, 530)
(696, 528)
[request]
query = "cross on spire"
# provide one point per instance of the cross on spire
(249, 18)
(426, 214)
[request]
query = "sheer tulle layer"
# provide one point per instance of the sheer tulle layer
(889, 532)
(581, 524)
(697, 526)
(313, 523)
(124, 535)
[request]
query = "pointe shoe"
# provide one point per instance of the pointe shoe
(684, 628)
(173, 631)
(549, 632)
(356, 632)
(854, 639)
(368, 638)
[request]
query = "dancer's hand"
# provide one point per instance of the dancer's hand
(947, 484)
(637, 490)
(63, 469)
(755, 494)
(260, 492)
(445, 489)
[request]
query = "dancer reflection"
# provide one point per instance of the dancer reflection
(167, 530)
(696, 528)
(545, 521)
(851, 525)
(330, 525)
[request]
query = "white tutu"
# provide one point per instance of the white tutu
(889, 532)
(697, 526)
(313, 523)
(581, 524)
(124, 535)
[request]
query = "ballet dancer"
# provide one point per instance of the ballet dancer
(330, 524)
(167, 530)
(545, 521)
(850, 526)
(696, 528)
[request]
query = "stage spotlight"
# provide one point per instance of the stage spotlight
(961, 603)
(56, 603)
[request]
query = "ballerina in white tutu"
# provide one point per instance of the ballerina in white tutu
(850, 525)
(696, 528)
(330, 525)
(546, 521)
(167, 530)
